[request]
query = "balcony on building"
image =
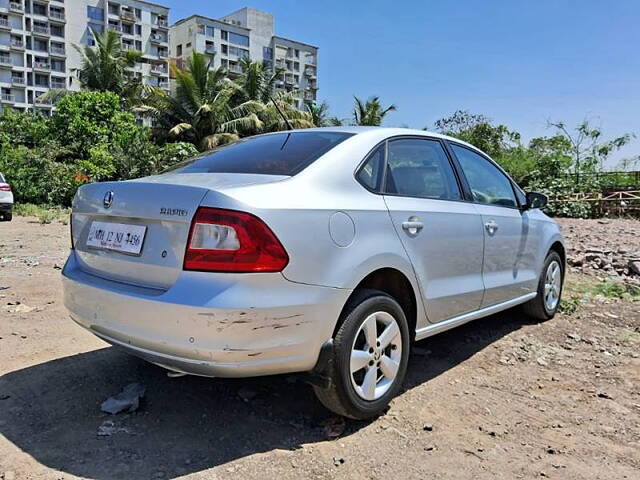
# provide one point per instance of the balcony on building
(17, 44)
(128, 15)
(58, 83)
(310, 59)
(159, 69)
(162, 22)
(42, 102)
(42, 66)
(16, 7)
(18, 81)
(210, 50)
(157, 38)
(57, 51)
(310, 72)
(57, 15)
(128, 46)
(235, 68)
(41, 30)
(8, 98)
(5, 60)
(163, 53)
(4, 24)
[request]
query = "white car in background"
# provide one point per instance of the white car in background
(6, 200)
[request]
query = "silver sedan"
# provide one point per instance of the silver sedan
(326, 251)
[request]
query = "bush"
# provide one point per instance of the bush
(90, 139)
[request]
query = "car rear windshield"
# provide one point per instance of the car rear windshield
(284, 153)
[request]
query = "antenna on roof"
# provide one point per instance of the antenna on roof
(286, 121)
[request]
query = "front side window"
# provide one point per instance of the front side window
(488, 184)
(420, 168)
(274, 154)
(370, 174)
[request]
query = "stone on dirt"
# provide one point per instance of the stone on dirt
(128, 399)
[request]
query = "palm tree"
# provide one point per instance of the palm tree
(202, 110)
(371, 112)
(283, 104)
(319, 113)
(257, 81)
(104, 66)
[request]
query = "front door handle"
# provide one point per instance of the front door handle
(491, 226)
(412, 226)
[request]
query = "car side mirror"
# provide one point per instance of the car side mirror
(536, 200)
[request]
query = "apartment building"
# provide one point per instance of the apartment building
(32, 52)
(36, 38)
(248, 33)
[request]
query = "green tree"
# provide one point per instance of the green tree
(495, 140)
(104, 66)
(319, 113)
(370, 112)
(589, 151)
(88, 119)
(202, 110)
(257, 81)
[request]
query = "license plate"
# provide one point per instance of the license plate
(119, 237)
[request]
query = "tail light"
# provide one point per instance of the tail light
(230, 241)
(4, 187)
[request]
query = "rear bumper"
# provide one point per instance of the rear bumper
(6, 207)
(210, 324)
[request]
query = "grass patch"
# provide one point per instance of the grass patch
(44, 213)
(584, 289)
(629, 336)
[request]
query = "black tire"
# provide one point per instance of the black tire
(536, 307)
(340, 396)
(8, 217)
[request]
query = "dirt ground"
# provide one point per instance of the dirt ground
(498, 398)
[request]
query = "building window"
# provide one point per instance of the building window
(224, 49)
(95, 13)
(296, 66)
(201, 29)
(138, 45)
(267, 53)
(138, 29)
(224, 35)
(138, 13)
(210, 31)
(239, 39)
(114, 9)
(179, 50)
(189, 45)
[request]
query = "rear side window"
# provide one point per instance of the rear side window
(420, 168)
(370, 174)
(488, 184)
(284, 153)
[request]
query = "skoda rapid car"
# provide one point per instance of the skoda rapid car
(327, 251)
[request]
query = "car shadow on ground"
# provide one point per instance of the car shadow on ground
(186, 424)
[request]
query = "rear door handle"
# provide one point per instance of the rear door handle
(491, 226)
(412, 226)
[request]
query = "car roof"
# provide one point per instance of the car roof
(385, 131)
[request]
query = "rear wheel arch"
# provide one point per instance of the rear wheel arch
(395, 284)
(560, 250)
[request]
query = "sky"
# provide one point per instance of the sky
(520, 63)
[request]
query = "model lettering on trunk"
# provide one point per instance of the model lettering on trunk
(176, 212)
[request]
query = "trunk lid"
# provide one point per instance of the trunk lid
(164, 205)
